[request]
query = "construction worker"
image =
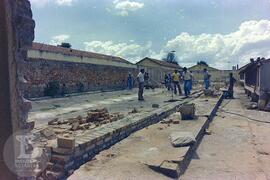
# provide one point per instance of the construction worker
(140, 79)
(206, 78)
(231, 84)
(146, 80)
(187, 77)
(169, 82)
(166, 79)
(176, 82)
(192, 79)
(130, 81)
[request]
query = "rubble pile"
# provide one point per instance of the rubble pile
(59, 138)
(94, 118)
(102, 116)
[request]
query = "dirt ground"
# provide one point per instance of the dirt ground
(239, 147)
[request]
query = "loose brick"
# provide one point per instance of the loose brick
(66, 142)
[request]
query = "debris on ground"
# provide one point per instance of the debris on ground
(155, 105)
(134, 111)
(208, 92)
(253, 105)
(166, 121)
(208, 132)
(94, 118)
(211, 93)
(47, 132)
(176, 121)
(111, 155)
(180, 139)
(53, 122)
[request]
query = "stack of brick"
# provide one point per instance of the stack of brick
(98, 115)
(102, 116)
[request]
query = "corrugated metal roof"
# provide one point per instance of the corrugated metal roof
(253, 64)
(74, 52)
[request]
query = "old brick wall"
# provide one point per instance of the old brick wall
(16, 36)
(40, 72)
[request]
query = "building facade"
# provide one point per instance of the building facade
(157, 69)
(255, 78)
(216, 74)
(73, 70)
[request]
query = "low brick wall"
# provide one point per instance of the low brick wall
(40, 72)
(92, 142)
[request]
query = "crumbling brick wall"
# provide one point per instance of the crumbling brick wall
(40, 72)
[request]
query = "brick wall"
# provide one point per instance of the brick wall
(40, 72)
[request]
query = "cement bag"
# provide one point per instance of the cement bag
(179, 139)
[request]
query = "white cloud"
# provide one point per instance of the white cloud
(130, 51)
(39, 3)
(252, 39)
(42, 3)
(57, 40)
(124, 7)
(64, 2)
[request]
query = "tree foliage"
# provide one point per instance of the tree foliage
(202, 63)
(66, 45)
(171, 58)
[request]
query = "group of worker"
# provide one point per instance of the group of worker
(172, 82)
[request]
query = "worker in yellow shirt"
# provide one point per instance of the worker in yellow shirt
(176, 82)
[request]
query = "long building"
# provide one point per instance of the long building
(157, 69)
(73, 70)
(216, 74)
(255, 78)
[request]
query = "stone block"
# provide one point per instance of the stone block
(47, 132)
(75, 126)
(170, 169)
(63, 151)
(187, 111)
(60, 159)
(66, 142)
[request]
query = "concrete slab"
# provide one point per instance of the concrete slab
(238, 147)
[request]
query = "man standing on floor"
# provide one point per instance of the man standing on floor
(192, 79)
(140, 79)
(146, 80)
(187, 81)
(230, 90)
(130, 81)
(176, 82)
(206, 78)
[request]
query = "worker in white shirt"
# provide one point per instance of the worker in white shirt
(140, 79)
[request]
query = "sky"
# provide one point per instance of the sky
(221, 32)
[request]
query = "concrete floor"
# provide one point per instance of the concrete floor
(239, 147)
(117, 101)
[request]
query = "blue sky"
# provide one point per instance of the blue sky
(221, 32)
